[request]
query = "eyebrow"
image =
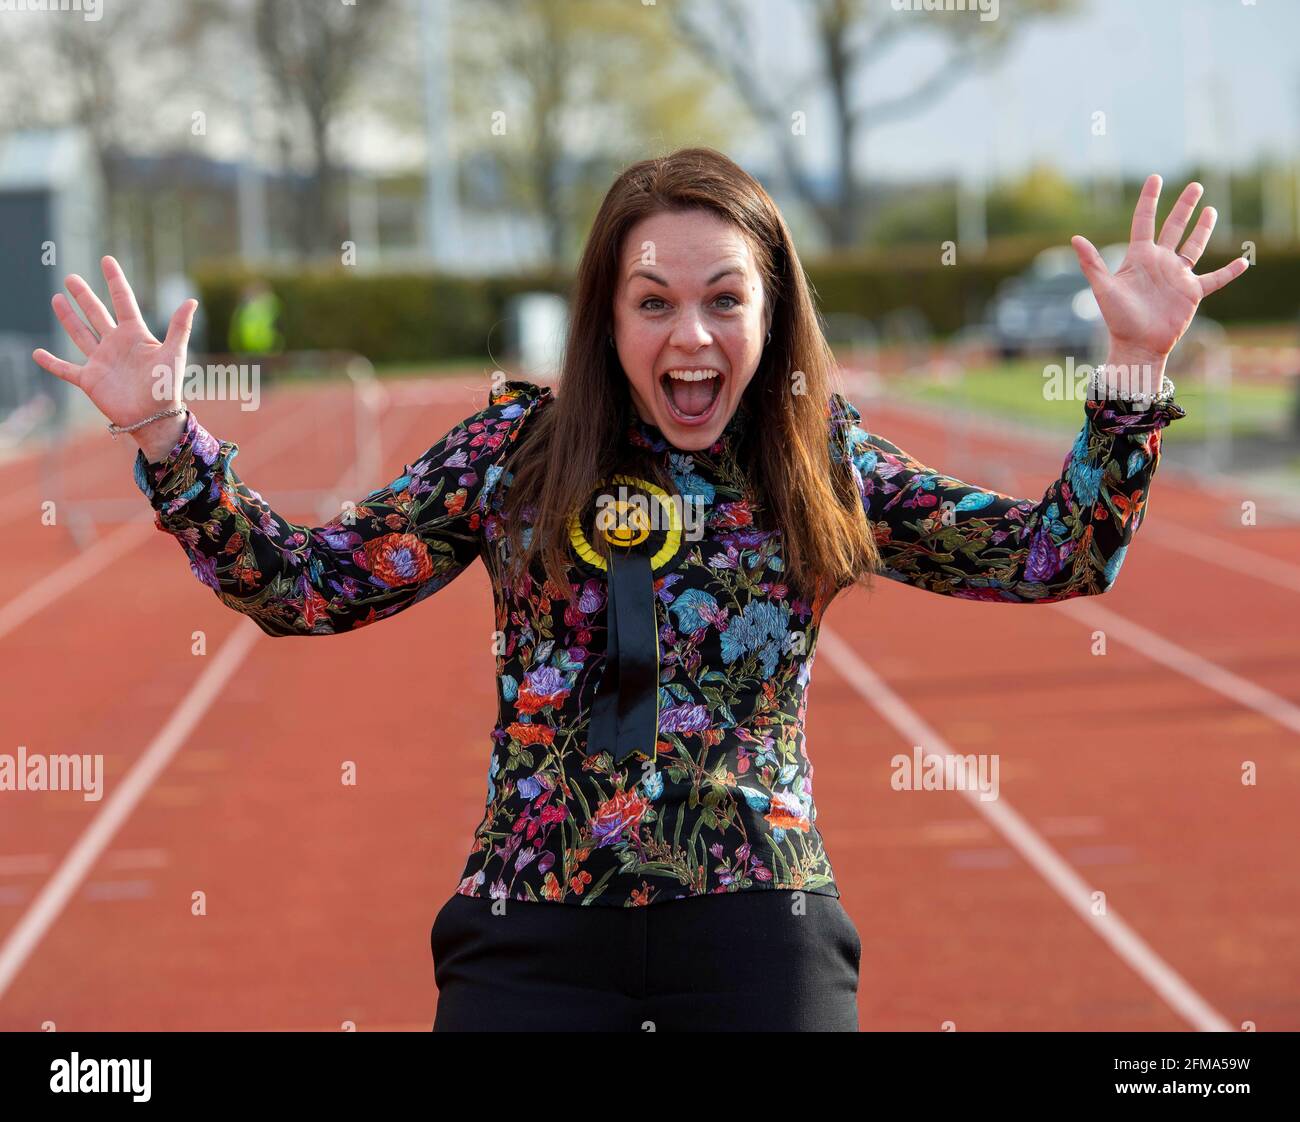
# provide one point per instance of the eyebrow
(660, 280)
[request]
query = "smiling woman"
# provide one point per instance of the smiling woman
(691, 312)
(689, 341)
(649, 818)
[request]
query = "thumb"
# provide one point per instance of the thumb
(178, 331)
(1094, 268)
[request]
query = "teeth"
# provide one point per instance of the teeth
(693, 375)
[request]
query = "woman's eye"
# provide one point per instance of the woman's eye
(735, 303)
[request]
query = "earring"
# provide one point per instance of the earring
(610, 338)
(769, 338)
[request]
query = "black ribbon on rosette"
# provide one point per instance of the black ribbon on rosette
(643, 546)
(624, 715)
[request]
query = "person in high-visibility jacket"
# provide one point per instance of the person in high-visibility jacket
(254, 327)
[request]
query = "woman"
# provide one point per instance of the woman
(663, 536)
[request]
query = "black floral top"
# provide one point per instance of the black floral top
(726, 804)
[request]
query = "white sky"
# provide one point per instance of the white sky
(1176, 78)
(1150, 64)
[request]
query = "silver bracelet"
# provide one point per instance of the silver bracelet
(1099, 391)
(114, 429)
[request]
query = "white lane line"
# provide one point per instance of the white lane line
(113, 890)
(86, 460)
(1226, 489)
(23, 940)
(75, 572)
(1215, 551)
(117, 808)
(1131, 948)
(136, 859)
(356, 478)
(1191, 665)
(83, 454)
(99, 556)
(21, 863)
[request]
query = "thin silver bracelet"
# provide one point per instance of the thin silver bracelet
(114, 429)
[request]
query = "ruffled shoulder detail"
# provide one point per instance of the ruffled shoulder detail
(514, 402)
(527, 395)
(842, 418)
(510, 405)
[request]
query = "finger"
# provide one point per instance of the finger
(74, 325)
(1171, 233)
(178, 331)
(1212, 282)
(57, 366)
(1195, 245)
(1090, 261)
(1144, 214)
(89, 303)
(124, 305)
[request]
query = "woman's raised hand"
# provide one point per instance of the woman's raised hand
(1150, 301)
(128, 374)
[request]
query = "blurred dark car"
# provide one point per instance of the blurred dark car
(1049, 307)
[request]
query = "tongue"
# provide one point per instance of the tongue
(692, 398)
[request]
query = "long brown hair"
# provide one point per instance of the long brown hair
(576, 442)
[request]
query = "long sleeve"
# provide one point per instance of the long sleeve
(956, 539)
(399, 545)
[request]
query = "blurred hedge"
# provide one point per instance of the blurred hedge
(403, 317)
(390, 317)
(951, 296)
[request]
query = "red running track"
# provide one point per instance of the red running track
(1119, 774)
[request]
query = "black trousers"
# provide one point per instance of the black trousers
(767, 960)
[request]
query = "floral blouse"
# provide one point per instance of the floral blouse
(726, 804)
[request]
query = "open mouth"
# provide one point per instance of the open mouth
(692, 395)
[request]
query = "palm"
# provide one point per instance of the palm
(128, 373)
(110, 375)
(1150, 300)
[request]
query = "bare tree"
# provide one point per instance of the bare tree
(850, 36)
(314, 54)
(581, 84)
(109, 75)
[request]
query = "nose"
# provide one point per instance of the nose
(689, 332)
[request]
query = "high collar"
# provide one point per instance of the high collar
(645, 434)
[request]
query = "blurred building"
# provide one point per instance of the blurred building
(174, 212)
(51, 199)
